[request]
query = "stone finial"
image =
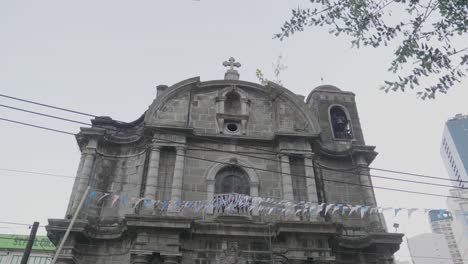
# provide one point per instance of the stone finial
(231, 73)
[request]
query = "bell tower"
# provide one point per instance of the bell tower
(337, 114)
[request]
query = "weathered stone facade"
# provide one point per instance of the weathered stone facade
(198, 139)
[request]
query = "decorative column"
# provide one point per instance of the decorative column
(153, 170)
(220, 104)
(86, 171)
(220, 110)
(286, 177)
(177, 179)
(310, 179)
(254, 189)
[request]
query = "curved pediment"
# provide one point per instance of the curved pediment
(232, 107)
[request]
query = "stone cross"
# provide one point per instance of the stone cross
(231, 63)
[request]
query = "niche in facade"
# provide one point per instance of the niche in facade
(232, 105)
(340, 123)
(232, 111)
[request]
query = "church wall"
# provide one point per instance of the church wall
(342, 193)
(262, 119)
(103, 251)
(194, 184)
(165, 173)
(174, 112)
(337, 192)
(207, 250)
(203, 112)
(289, 118)
(121, 174)
(165, 236)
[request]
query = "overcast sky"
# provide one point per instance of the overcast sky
(106, 57)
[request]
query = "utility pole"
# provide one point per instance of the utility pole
(32, 237)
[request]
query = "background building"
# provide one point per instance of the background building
(12, 248)
(441, 223)
(429, 248)
(189, 181)
(454, 151)
(459, 209)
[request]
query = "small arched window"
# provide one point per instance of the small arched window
(232, 179)
(340, 123)
(232, 104)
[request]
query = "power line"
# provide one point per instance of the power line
(36, 126)
(38, 173)
(19, 224)
(385, 188)
(311, 166)
(325, 168)
(335, 181)
(328, 180)
(47, 105)
(222, 142)
(191, 190)
(42, 114)
(386, 170)
(237, 153)
(321, 167)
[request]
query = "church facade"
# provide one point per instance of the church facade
(227, 171)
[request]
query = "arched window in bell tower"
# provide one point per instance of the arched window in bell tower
(232, 179)
(232, 104)
(340, 123)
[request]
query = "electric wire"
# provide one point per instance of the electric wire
(328, 180)
(19, 224)
(36, 126)
(246, 155)
(42, 114)
(47, 105)
(218, 141)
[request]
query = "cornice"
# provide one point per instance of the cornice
(392, 240)
(351, 150)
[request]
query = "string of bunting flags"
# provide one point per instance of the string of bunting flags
(246, 204)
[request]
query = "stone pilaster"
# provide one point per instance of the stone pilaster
(376, 222)
(151, 187)
(286, 177)
(364, 178)
(86, 171)
(76, 183)
(220, 104)
(176, 193)
(310, 179)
